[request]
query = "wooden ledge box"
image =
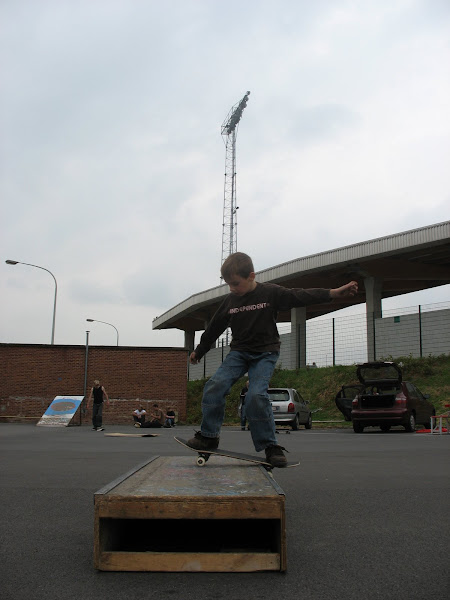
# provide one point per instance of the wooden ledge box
(168, 514)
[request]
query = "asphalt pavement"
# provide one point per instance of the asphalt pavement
(368, 516)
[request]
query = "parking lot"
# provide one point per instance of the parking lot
(367, 515)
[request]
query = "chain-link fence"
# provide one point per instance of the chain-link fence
(417, 331)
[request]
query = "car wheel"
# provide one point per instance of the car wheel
(411, 425)
(308, 423)
(385, 428)
(357, 427)
(295, 423)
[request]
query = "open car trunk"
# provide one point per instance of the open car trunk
(378, 400)
(382, 382)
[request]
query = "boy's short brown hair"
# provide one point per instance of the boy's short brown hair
(237, 264)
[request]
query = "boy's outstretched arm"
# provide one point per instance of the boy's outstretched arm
(349, 289)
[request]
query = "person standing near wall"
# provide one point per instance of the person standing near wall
(99, 393)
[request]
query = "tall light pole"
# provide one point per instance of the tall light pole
(105, 323)
(85, 373)
(16, 262)
(229, 223)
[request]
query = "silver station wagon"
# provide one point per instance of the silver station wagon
(289, 408)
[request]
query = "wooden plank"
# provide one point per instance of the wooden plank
(180, 476)
(188, 562)
(282, 540)
(104, 537)
(136, 508)
(108, 487)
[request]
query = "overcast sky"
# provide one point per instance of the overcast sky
(112, 162)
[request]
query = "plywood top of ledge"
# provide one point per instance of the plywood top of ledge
(180, 476)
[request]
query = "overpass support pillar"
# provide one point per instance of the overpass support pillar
(189, 337)
(298, 337)
(373, 288)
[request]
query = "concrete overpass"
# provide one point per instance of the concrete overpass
(384, 267)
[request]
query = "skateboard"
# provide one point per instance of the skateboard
(132, 434)
(204, 455)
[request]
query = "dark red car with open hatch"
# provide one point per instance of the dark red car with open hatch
(387, 400)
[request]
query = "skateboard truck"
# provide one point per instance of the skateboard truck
(202, 459)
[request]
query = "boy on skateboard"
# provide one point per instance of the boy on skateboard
(250, 311)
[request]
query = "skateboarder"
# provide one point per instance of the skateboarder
(250, 310)
(99, 393)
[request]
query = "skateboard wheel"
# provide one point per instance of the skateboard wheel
(201, 462)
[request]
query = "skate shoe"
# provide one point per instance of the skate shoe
(200, 442)
(275, 456)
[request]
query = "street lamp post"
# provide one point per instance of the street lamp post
(85, 374)
(105, 323)
(16, 262)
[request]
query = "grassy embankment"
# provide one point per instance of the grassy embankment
(320, 386)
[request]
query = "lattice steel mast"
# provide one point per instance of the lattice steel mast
(229, 133)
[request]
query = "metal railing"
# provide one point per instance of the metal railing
(409, 331)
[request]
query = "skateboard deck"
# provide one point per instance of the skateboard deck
(204, 455)
(132, 434)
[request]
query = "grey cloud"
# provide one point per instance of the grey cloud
(321, 122)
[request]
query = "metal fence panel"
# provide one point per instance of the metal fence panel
(416, 331)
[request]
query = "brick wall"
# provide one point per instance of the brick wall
(31, 375)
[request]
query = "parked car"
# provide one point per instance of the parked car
(289, 408)
(344, 399)
(387, 400)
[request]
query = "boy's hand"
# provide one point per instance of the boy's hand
(349, 289)
(193, 359)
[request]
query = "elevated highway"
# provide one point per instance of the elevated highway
(384, 267)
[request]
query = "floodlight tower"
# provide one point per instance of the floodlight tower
(229, 133)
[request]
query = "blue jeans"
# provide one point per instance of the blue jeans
(260, 366)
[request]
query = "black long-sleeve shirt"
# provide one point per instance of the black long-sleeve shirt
(252, 317)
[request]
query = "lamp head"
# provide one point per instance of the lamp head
(11, 262)
(90, 320)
